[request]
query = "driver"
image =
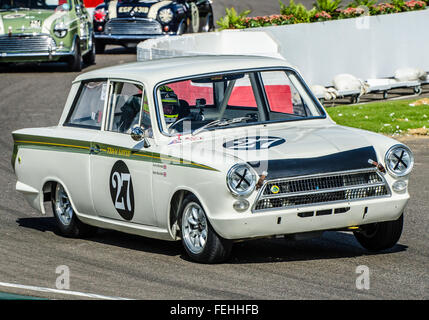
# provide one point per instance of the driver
(170, 104)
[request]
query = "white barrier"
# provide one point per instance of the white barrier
(212, 43)
(368, 47)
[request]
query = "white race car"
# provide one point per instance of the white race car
(210, 150)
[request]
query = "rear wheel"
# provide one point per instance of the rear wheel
(67, 221)
(381, 235)
(200, 241)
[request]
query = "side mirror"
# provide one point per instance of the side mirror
(138, 134)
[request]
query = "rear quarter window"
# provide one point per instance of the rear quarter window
(88, 108)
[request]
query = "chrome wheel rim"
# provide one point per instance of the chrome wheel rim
(194, 228)
(63, 207)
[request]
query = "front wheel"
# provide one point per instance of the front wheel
(200, 241)
(75, 61)
(381, 235)
(89, 57)
(99, 47)
(67, 221)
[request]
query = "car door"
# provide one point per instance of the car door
(72, 142)
(121, 168)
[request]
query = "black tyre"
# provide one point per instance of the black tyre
(183, 28)
(207, 26)
(5, 65)
(381, 235)
(417, 90)
(75, 62)
(67, 221)
(100, 47)
(89, 58)
(385, 94)
(200, 241)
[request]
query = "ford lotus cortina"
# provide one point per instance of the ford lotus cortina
(210, 150)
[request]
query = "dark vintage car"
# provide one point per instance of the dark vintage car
(128, 21)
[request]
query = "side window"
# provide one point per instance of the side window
(88, 109)
(242, 95)
(126, 108)
(284, 96)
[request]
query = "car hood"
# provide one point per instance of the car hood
(28, 21)
(283, 152)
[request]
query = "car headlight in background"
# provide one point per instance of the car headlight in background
(399, 160)
(60, 30)
(241, 180)
(165, 15)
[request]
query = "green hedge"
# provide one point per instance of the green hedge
(323, 10)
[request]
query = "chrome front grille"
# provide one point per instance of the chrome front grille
(326, 188)
(26, 43)
(132, 26)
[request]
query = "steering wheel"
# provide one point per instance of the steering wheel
(175, 123)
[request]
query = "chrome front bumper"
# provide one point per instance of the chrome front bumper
(290, 221)
(314, 203)
(30, 46)
(133, 37)
(131, 29)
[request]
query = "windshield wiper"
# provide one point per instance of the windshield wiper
(220, 123)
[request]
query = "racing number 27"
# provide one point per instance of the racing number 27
(118, 180)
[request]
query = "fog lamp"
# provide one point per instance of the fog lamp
(241, 205)
(399, 186)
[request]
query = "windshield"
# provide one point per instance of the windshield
(232, 100)
(30, 4)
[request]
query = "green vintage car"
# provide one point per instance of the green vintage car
(46, 30)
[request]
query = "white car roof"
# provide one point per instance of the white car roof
(154, 71)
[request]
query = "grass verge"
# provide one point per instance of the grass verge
(388, 117)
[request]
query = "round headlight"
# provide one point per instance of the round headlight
(165, 15)
(241, 180)
(399, 160)
(60, 30)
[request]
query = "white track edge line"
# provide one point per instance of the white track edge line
(67, 292)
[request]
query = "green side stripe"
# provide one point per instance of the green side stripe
(83, 147)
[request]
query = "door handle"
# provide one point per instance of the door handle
(94, 149)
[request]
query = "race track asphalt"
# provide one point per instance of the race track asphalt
(118, 265)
